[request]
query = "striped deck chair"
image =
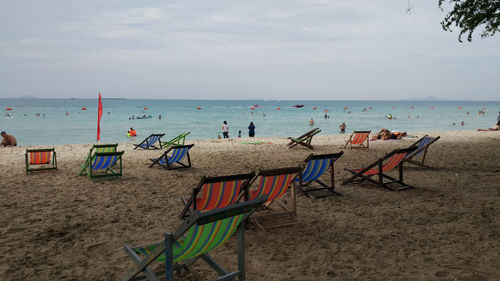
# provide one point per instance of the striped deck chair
(101, 165)
(315, 167)
(149, 142)
(273, 184)
(422, 146)
(179, 152)
(40, 159)
(305, 139)
(394, 159)
(199, 234)
(179, 140)
(216, 192)
(358, 138)
(97, 148)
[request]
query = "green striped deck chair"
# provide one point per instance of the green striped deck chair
(422, 147)
(179, 140)
(315, 167)
(274, 184)
(379, 168)
(305, 139)
(174, 160)
(358, 139)
(105, 165)
(97, 148)
(199, 234)
(149, 142)
(216, 192)
(40, 160)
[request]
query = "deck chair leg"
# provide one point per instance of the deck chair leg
(380, 172)
(241, 252)
(136, 259)
(169, 259)
(217, 267)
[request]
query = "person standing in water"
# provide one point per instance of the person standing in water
(342, 128)
(225, 130)
(311, 122)
(251, 130)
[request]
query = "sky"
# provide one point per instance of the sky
(259, 49)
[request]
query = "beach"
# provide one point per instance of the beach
(57, 225)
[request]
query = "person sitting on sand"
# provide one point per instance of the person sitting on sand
(8, 140)
(383, 134)
(494, 128)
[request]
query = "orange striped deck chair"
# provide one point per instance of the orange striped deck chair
(274, 184)
(40, 159)
(216, 192)
(380, 168)
(199, 234)
(358, 140)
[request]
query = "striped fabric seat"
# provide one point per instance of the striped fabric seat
(314, 169)
(40, 158)
(103, 162)
(425, 141)
(149, 142)
(198, 240)
(422, 146)
(358, 139)
(274, 186)
(178, 153)
(390, 164)
(199, 234)
(394, 159)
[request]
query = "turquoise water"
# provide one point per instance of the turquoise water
(53, 126)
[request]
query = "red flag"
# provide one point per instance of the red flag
(99, 114)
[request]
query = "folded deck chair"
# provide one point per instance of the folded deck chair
(40, 159)
(96, 148)
(273, 184)
(149, 142)
(216, 192)
(101, 165)
(380, 167)
(173, 161)
(199, 234)
(179, 140)
(315, 167)
(305, 139)
(422, 146)
(358, 139)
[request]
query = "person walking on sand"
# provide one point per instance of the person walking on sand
(251, 130)
(8, 140)
(225, 130)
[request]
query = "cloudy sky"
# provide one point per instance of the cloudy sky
(290, 49)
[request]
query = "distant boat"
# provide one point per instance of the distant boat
(298, 105)
(144, 117)
(257, 106)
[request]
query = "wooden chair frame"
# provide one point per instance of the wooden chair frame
(325, 190)
(360, 176)
(149, 146)
(305, 139)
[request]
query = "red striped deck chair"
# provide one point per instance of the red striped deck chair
(198, 235)
(422, 147)
(358, 139)
(216, 192)
(305, 139)
(273, 184)
(380, 168)
(40, 159)
(314, 167)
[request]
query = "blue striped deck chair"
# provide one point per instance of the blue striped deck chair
(199, 234)
(102, 164)
(315, 167)
(422, 147)
(94, 149)
(149, 142)
(173, 161)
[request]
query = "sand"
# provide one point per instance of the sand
(58, 226)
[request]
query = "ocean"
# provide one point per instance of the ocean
(63, 121)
